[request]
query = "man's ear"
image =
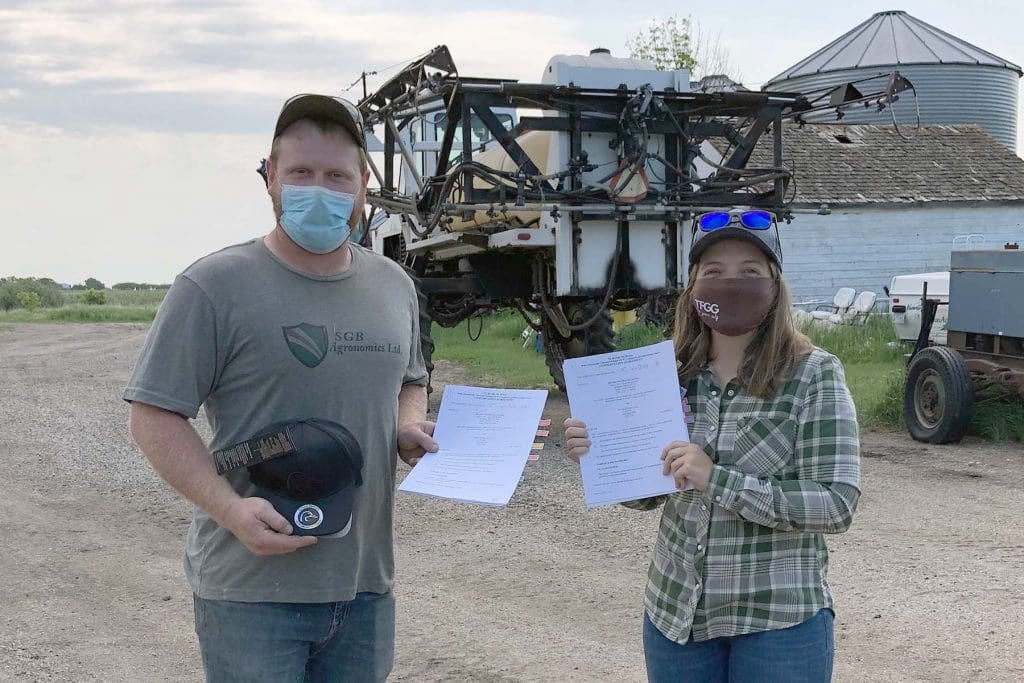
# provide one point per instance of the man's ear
(271, 172)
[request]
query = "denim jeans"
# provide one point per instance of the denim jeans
(285, 642)
(798, 654)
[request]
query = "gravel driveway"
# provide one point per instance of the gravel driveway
(930, 580)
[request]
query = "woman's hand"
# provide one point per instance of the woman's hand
(687, 462)
(577, 441)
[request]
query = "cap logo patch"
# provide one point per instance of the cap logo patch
(309, 517)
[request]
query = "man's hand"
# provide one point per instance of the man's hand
(261, 529)
(687, 462)
(415, 439)
(577, 440)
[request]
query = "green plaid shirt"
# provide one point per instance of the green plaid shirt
(748, 554)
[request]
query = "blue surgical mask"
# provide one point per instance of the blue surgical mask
(316, 218)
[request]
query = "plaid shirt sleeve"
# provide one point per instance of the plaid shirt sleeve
(823, 496)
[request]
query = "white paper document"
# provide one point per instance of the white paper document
(484, 437)
(631, 404)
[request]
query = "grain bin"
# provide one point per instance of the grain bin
(956, 82)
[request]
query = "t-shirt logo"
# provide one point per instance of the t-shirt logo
(308, 343)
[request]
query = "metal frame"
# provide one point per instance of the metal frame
(685, 119)
(573, 194)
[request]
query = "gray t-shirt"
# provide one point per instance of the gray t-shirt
(256, 341)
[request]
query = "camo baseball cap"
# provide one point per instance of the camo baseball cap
(328, 107)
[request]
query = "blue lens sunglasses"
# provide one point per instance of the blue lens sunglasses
(751, 220)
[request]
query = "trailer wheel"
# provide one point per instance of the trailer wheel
(598, 338)
(426, 320)
(938, 396)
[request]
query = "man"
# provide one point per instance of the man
(298, 325)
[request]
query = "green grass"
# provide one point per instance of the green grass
(498, 357)
(998, 415)
(874, 366)
(81, 313)
(121, 297)
(637, 335)
(873, 360)
(868, 343)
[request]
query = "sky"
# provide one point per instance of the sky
(130, 131)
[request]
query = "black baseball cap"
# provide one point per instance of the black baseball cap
(312, 487)
(755, 226)
(328, 107)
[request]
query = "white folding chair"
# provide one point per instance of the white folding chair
(840, 303)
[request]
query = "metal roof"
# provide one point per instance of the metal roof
(840, 164)
(890, 39)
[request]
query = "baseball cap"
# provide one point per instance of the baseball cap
(313, 483)
(322, 107)
(757, 227)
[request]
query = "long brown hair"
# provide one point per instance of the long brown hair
(769, 358)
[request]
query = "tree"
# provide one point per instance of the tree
(676, 43)
(49, 292)
(93, 283)
(665, 43)
(95, 296)
(29, 300)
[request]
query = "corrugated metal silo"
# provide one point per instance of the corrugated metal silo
(956, 82)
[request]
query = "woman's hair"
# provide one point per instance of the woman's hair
(771, 355)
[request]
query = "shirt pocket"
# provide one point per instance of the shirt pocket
(765, 446)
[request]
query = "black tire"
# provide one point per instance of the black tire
(938, 396)
(598, 338)
(426, 320)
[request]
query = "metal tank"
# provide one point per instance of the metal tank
(955, 82)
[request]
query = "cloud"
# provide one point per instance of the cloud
(182, 65)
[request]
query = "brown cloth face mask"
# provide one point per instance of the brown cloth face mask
(733, 306)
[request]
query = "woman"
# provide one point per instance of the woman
(737, 586)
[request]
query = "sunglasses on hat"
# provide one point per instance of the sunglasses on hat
(751, 220)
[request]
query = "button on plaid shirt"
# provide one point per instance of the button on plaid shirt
(748, 554)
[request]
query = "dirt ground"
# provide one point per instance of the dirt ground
(930, 580)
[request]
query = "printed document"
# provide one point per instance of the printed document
(631, 404)
(484, 437)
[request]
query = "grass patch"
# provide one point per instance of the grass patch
(867, 343)
(497, 358)
(874, 366)
(637, 335)
(878, 394)
(81, 313)
(998, 415)
(121, 297)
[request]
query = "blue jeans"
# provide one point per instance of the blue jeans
(798, 654)
(285, 642)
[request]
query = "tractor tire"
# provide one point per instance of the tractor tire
(426, 321)
(938, 396)
(598, 338)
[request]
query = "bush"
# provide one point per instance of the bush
(95, 297)
(28, 300)
(49, 292)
